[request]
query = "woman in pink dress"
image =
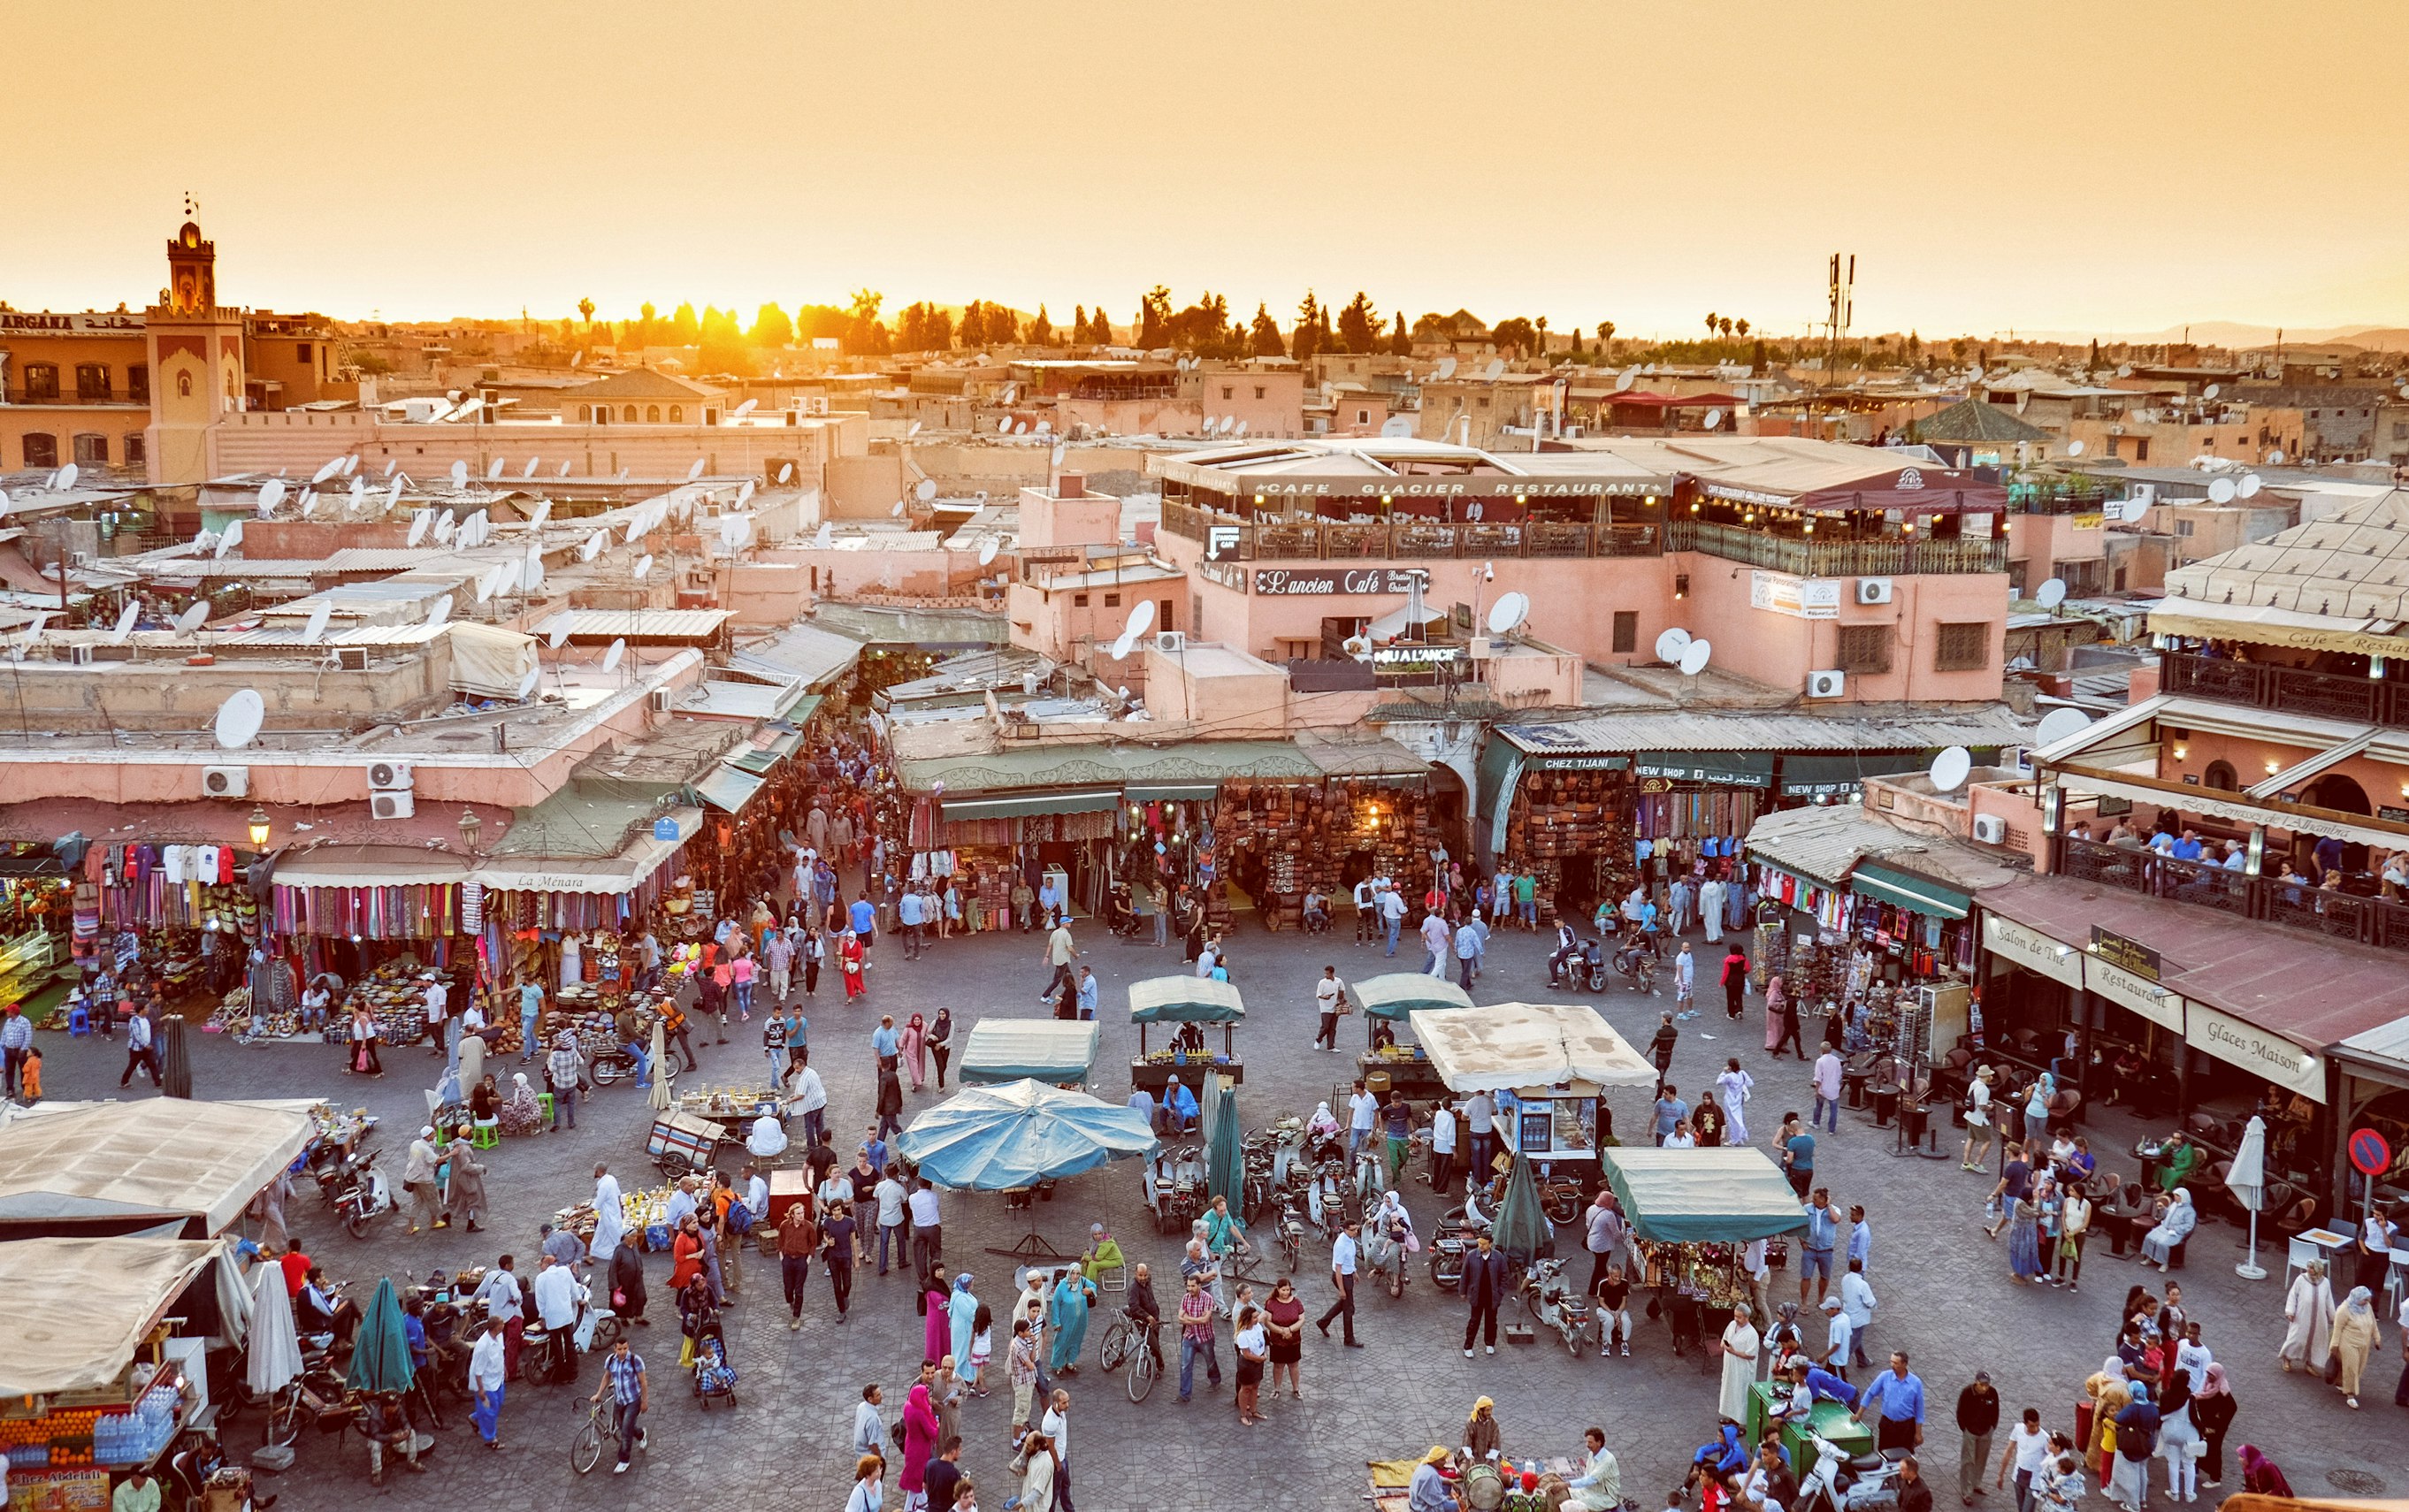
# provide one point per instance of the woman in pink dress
(913, 1043)
(1776, 997)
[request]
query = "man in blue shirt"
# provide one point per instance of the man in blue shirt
(1861, 1237)
(1900, 1397)
(863, 918)
(1671, 1111)
(887, 1042)
(908, 914)
(2189, 847)
(1816, 1250)
(1088, 990)
(623, 1378)
(1797, 1154)
(1467, 948)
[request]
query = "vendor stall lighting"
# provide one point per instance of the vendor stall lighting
(471, 826)
(258, 828)
(1693, 506)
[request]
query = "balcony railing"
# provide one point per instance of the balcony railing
(20, 395)
(2289, 691)
(1408, 539)
(1886, 557)
(2337, 915)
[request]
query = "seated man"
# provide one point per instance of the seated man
(1181, 1114)
(385, 1426)
(1430, 1490)
(319, 1317)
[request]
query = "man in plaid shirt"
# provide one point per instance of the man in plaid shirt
(622, 1376)
(1196, 1337)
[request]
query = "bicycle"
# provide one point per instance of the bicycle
(1130, 1344)
(601, 1424)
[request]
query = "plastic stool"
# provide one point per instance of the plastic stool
(78, 1022)
(543, 1101)
(485, 1135)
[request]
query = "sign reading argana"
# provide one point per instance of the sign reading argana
(18, 323)
(1801, 598)
(1290, 582)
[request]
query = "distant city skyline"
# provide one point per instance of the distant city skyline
(2054, 169)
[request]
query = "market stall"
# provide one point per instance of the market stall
(1693, 1215)
(1058, 1052)
(1389, 1002)
(1547, 1065)
(95, 1380)
(1191, 1002)
(99, 1168)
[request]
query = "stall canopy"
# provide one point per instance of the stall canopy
(1004, 1138)
(1506, 1045)
(1181, 998)
(80, 1306)
(489, 662)
(1398, 994)
(1728, 1194)
(1043, 1049)
(117, 1168)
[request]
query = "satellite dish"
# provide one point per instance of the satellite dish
(2249, 485)
(124, 625)
(1446, 368)
(1058, 449)
(822, 537)
(610, 657)
(1003, 426)
(623, 474)
(390, 464)
(272, 494)
(190, 620)
(487, 582)
(1121, 646)
(419, 522)
(309, 502)
(1241, 428)
(592, 549)
(564, 470)
(1714, 420)
(232, 538)
(986, 551)
(532, 572)
(2212, 391)
(331, 467)
(695, 471)
(747, 406)
(460, 474)
(2074, 448)
(494, 470)
(1974, 377)
(439, 611)
(67, 476)
(1021, 428)
(2275, 458)
(1396, 427)
(239, 718)
(2050, 593)
(2060, 723)
(787, 473)
(2125, 370)
(745, 494)
(575, 359)
(914, 431)
(528, 471)
(2221, 491)
(351, 464)
(542, 512)
(925, 490)
(643, 565)
(4, 502)
(1670, 645)
(1694, 657)
(1949, 769)
(1508, 612)
(557, 633)
(1623, 381)
(506, 575)
(1142, 618)
(898, 510)
(359, 489)
(317, 625)
(1044, 427)
(445, 525)
(527, 684)
(1495, 370)
(393, 495)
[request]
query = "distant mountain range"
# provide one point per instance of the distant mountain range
(2241, 335)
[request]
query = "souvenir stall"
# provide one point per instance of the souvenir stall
(108, 1373)
(1689, 805)
(181, 916)
(37, 920)
(1275, 840)
(349, 910)
(1191, 1002)
(1564, 816)
(1387, 1002)
(983, 845)
(1058, 1052)
(1692, 1213)
(1549, 1068)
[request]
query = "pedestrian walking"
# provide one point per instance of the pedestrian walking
(1735, 981)
(1343, 1251)
(142, 1050)
(623, 1379)
(1328, 997)
(1899, 1395)
(837, 1238)
(1978, 1418)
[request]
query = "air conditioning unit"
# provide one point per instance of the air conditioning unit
(660, 701)
(226, 782)
(80, 558)
(393, 805)
(80, 656)
(1171, 641)
(815, 404)
(1827, 685)
(1990, 830)
(1873, 590)
(389, 775)
(352, 658)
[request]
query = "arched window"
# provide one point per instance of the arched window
(138, 450)
(91, 451)
(41, 449)
(677, 414)
(183, 385)
(652, 414)
(2220, 776)
(42, 381)
(628, 414)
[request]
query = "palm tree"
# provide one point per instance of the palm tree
(1726, 324)
(1605, 332)
(1710, 324)
(586, 310)
(1541, 323)
(1741, 327)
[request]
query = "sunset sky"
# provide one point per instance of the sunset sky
(2039, 166)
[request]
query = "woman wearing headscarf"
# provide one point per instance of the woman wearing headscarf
(2178, 1436)
(2212, 1410)
(919, 1444)
(850, 956)
(2355, 1336)
(913, 1043)
(1072, 1297)
(936, 1315)
(2024, 1238)
(627, 1296)
(2308, 1311)
(522, 1113)
(1733, 1088)
(2110, 1394)
(466, 1196)
(1777, 1009)
(2175, 1224)
(2037, 1101)
(940, 1041)
(961, 1312)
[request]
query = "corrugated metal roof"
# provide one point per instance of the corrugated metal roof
(805, 651)
(1824, 844)
(1042, 764)
(650, 624)
(1710, 730)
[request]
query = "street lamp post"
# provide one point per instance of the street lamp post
(470, 825)
(258, 828)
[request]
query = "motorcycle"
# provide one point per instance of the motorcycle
(615, 1062)
(1842, 1483)
(1178, 1189)
(1326, 1198)
(1454, 1240)
(1637, 965)
(1384, 1256)
(1553, 1302)
(358, 1193)
(1291, 1232)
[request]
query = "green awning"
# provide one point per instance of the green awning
(1838, 776)
(1183, 999)
(1044, 1049)
(1172, 792)
(1916, 894)
(1397, 994)
(728, 788)
(1724, 1195)
(806, 706)
(1711, 769)
(1021, 805)
(761, 760)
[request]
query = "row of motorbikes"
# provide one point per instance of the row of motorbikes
(1589, 964)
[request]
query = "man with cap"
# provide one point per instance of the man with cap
(1978, 1417)
(438, 1011)
(1843, 1332)
(418, 1180)
(1978, 1120)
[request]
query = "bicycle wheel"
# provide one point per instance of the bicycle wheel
(1114, 1352)
(1143, 1370)
(284, 1419)
(585, 1450)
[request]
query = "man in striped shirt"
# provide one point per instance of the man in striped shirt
(623, 1378)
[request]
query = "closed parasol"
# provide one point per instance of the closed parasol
(2247, 1180)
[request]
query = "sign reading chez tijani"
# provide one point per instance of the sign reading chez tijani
(1284, 582)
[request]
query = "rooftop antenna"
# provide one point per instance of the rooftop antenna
(309, 502)
(564, 468)
(643, 565)
(1714, 420)
(438, 612)
(446, 525)
(987, 550)
(610, 657)
(787, 474)
(1507, 614)
(532, 573)
(2249, 485)
(2050, 593)
(1140, 619)
(67, 477)
(2074, 448)
(2222, 491)
(194, 615)
(391, 464)
(695, 471)
(272, 494)
(925, 490)
(1396, 427)
(327, 470)
(459, 475)
(529, 470)
(542, 512)
(1495, 370)
(747, 409)
(420, 521)
(557, 633)
(231, 539)
(821, 538)
(2058, 724)
(1445, 368)
(1671, 645)
(124, 625)
(1694, 657)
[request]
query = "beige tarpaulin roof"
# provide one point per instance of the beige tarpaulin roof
(2338, 583)
(489, 662)
(163, 1159)
(1501, 1047)
(96, 1298)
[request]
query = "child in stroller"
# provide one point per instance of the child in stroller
(715, 1378)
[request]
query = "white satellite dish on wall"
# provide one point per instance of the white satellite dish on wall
(327, 470)
(610, 657)
(925, 490)
(1396, 427)
(506, 575)
(439, 611)
(419, 523)
(592, 547)
(232, 538)
(986, 549)
(2058, 724)
(1949, 769)
(2221, 491)
(1670, 645)
(239, 718)
(529, 470)
(1003, 426)
(124, 625)
(1445, 368)
(2249, 485)
(316, 626)
(445, 525)
(556, 635)
(1495, 370)
(2050, 593)
(190, 620)
(2212, 391)
(309, 502)
(695, 471)
(747, 406)
(1694, 657)
(542, 512)
(65, 477)
(824, 535)
(532, 572)
(272, 494)
(643, 565)
(787, 473)
(1508, 612)
(1714, 420)
(565, 465)
(493, 469)
(2074, 448)
(459, 475)
(487, 582)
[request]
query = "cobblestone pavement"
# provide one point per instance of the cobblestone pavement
(1943, 1289)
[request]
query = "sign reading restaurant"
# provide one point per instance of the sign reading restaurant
(1286, 581)
(1485, 486)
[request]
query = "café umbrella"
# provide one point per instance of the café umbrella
(1520, 1231)
(275, 1352)
(658, 1093)
(380, 1353)
(1011, 1136)
(174, 1060)
(1224, 1166)
(2246, 1178)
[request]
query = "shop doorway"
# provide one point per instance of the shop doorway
(2344, 795)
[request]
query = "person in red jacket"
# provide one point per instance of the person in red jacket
(1735, 980)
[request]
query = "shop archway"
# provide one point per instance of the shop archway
(2342, 795)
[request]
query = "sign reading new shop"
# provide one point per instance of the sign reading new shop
(1291, 583)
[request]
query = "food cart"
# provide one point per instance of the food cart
(1186, 1001)
(1058, 1052)
(1389, 1002)
(1547, 1065)
(96, 1376)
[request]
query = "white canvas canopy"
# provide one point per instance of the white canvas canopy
(1506, 1047)
(489, 663)
(81, 1306)
(115, 1166)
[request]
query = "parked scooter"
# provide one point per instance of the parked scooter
(1556, 1304)
(357, 1192)
(1845, 1483)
